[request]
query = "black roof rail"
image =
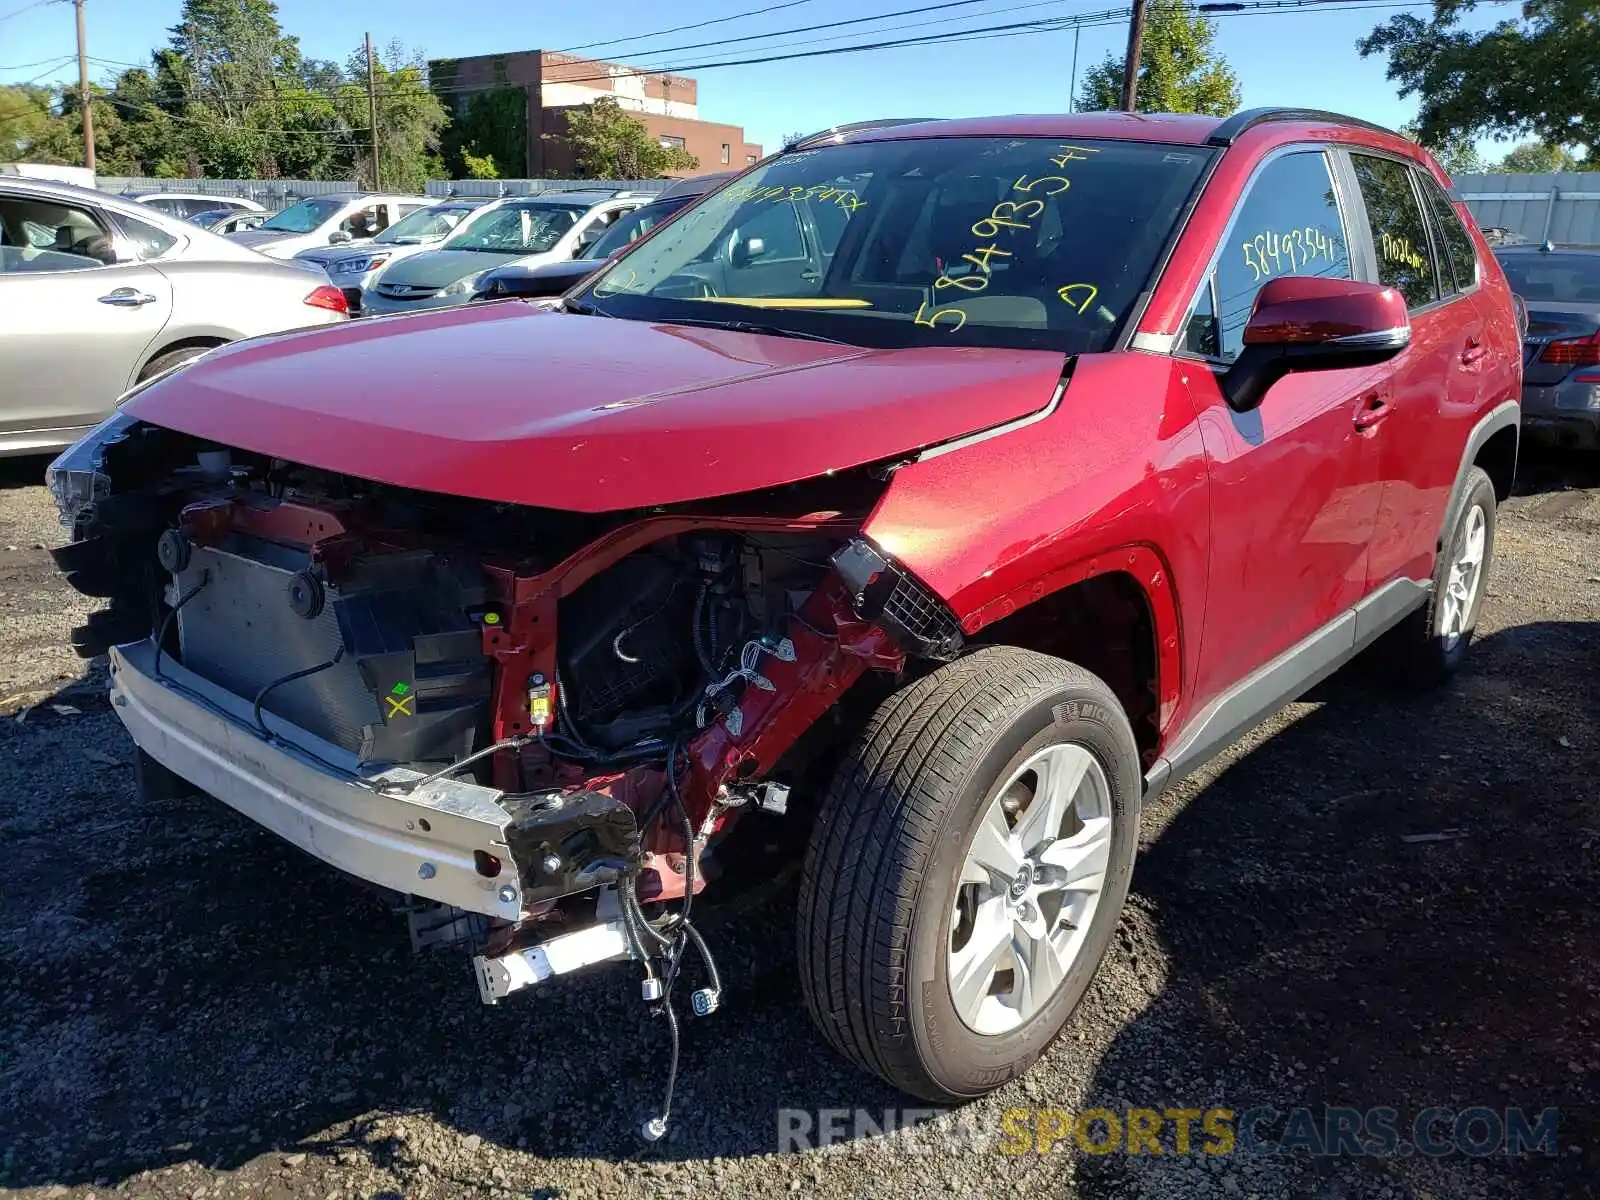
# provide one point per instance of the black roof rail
(1230, 130)
(856, 127)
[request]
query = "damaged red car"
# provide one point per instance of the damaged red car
(897, 519)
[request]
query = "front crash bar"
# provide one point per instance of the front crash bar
(310, 792)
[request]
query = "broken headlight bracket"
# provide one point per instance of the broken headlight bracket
(885, 593)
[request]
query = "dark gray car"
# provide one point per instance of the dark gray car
(1561, 350)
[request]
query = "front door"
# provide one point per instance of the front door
(1294, 483)
(74, 323)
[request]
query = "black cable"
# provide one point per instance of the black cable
(705, 957)
(290, 678)
(665, 1009)
(166, 623)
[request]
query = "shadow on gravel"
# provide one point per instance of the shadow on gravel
(1542, 467)
(1317, 958)
(177, 984)
(25, 471)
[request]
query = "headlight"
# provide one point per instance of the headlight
(461, 287)
(360, 266)
(76, 478)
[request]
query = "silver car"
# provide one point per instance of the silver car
(350, 270)
(98, 292)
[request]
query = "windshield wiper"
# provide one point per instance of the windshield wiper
(583, 308)
(757, 327)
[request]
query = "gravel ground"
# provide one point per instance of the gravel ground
(190, 1008)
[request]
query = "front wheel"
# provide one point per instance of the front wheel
(967, 871)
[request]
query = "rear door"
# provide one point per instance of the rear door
(1437, 379)
(75, 322)
(1293, 483)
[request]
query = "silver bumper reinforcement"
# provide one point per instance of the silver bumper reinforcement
(500, 976)
(314, 794)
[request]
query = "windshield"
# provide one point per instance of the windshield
(1025, 242)
(1564, 278)
(634, 226)
(207, 219)
(423, 224)
(304, 216)
(518, 229)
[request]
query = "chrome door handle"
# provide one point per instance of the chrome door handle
(127, 298)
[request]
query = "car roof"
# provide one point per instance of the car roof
(1191, 129)
(1545, 248)
(698, 185)
(50, 189)
(573, 198)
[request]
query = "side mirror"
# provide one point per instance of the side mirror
(747, 250)
(340, 236)
(1308, 323)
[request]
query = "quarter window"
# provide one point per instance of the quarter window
(1456, 246)
(1399, 234)
(149, 241)
(1288, 224)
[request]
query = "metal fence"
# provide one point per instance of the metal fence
(1563, 208)
(279, 193)
(534, 187)
(270, 193)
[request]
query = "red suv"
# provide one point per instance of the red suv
(904, 514)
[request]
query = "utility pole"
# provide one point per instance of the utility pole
(83, 90)
(1072, 88)
(372, 117)
(1130, 81)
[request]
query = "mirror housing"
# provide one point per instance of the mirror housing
(1310, 323)
(339, 237)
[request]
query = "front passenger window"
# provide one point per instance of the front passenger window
(1288, 224)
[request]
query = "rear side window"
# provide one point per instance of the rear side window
(1288, 224)
(1399, 233)
(1456, 248)
(149, 241)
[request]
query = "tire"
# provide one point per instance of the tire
(172, 358)
(1431, 652)
(882, 890)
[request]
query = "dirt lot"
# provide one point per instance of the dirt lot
(189, 1008)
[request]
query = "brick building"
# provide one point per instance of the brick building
(552, 83)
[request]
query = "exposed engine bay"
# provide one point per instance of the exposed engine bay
(605, 695)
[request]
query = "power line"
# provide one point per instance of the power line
(17, 12)
(753, 37)
(640, 37)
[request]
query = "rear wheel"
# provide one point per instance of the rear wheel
(1436, 638)
(172, 358)
(968, 868)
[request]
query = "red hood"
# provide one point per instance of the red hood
(508, 403)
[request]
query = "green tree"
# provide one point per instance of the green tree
(610, 143)
(410, 118)
(1179, 68)
(26, 112)
(477, 167)
(495, 126)
(1457, 155)
(1537, 158)
(1533, 73)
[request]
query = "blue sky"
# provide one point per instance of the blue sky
(1302, 58)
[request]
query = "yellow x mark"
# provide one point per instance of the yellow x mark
(400, 706)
